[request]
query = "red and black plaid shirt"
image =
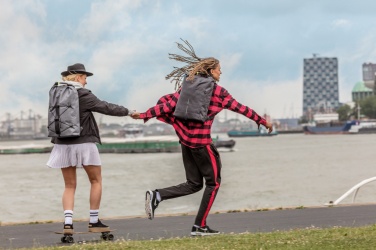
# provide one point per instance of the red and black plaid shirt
(196, 134)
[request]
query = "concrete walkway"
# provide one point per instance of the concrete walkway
(35, 235)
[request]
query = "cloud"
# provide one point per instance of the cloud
(277, 99)
(230, 61)
(107, 17)
(366, 49)
(107, 61)
(341, 23)
(194, 25)
(23, 55)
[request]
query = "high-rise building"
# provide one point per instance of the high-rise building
(369, 70)
(320, 85)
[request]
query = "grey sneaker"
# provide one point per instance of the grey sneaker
(203, 231)
(151, 203)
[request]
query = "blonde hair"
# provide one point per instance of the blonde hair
(194, 65)
(203, 67)
(71, 77)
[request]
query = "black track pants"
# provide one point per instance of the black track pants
(199, 163)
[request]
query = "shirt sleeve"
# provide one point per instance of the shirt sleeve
(94, 104)
(228, 102)
(165, 105)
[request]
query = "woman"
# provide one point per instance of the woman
(200, 157)
(68, 154)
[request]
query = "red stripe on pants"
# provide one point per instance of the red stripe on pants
(212, 197)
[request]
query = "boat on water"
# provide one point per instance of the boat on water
(364, 127)
(329, 128)
(131, 132)
(251, 132)
(224, 143)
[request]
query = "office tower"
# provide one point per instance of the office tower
(320, 85)
(369, 70)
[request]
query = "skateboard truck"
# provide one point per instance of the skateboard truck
(68, 238)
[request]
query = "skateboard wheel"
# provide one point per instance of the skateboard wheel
(67, 239)
(70, 239)
(107, 236)
(110, 237)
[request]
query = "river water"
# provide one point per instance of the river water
(269, 172)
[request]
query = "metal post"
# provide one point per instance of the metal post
(358, 112)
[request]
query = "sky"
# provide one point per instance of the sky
(125, 43)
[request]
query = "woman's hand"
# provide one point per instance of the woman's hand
(135, 115)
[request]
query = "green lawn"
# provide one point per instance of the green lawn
(312, 238)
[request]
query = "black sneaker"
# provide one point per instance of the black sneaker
(68, 229)
(98, 227)
(203, 231)
(151, 203)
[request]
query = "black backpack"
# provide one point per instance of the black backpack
(63, 111)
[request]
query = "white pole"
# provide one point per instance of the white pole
(358, 112)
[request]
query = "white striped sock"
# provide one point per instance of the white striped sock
(68, 215)
(94, 216)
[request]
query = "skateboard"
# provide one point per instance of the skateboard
(68, 238)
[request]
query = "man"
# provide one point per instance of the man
(191, 111)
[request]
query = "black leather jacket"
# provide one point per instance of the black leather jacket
(89, 129)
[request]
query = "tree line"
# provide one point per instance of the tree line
(367, 109)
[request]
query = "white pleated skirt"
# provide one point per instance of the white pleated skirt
(79, 155)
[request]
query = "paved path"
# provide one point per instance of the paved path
(34, 235)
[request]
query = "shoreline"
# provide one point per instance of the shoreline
(188, 214)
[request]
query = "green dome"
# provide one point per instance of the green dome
(360, 87)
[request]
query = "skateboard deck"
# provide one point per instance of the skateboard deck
(56, 232)
(68, 237)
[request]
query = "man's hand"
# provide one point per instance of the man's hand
(269, 126)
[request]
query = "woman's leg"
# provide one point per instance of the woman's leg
(70, 180)
(95, 177)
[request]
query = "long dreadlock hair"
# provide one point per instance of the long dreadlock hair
(194, 65)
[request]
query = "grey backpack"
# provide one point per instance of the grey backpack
(63, 111)
(194, 100)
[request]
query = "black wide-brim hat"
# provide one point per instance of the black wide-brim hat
(77, 68)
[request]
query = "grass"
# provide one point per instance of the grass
(311, 238)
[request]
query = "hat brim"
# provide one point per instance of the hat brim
(71, 72)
